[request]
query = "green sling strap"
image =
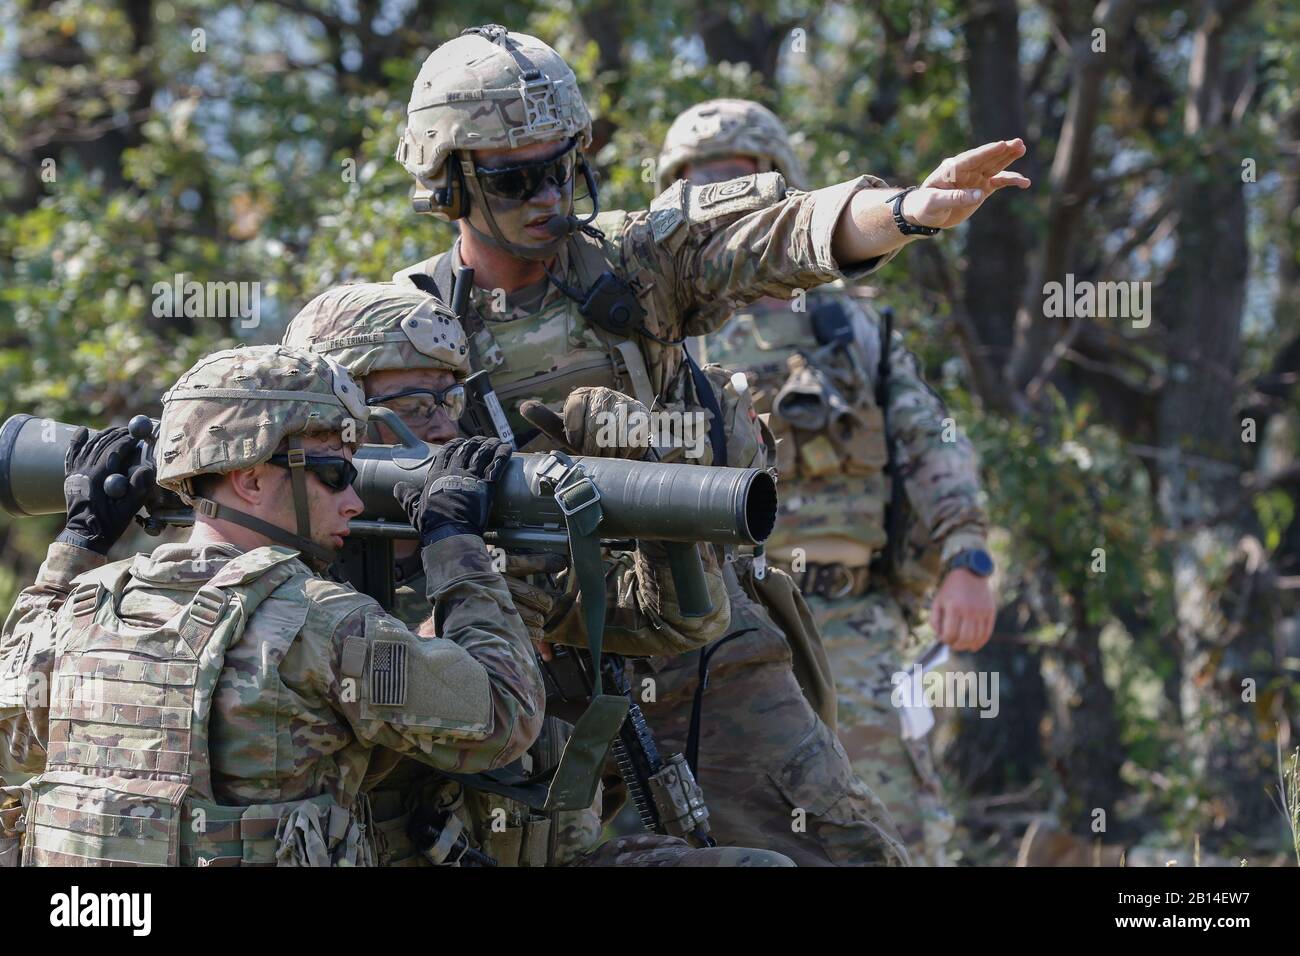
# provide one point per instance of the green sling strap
(571, 785)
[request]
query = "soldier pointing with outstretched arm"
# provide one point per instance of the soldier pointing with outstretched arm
(495, 138)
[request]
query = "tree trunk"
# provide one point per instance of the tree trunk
(1086, 748)
(1222, 619)
(997, 245)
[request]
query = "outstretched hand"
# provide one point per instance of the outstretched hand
(953, 192)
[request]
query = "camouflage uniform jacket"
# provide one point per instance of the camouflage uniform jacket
(283, 724)
(693, 257)
(696, 255)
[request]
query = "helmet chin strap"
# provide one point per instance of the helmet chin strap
(560, 226)
(319, 557)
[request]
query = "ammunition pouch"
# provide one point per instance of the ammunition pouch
(324, 834)
(390, 820)
(315, 832)
(820, 432)
(525, 842)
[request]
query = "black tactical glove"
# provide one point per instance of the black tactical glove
(96, 520)
(458, 490)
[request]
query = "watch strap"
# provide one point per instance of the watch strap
(905, 227)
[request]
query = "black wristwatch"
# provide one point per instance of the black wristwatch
(905, 227)
(975, 560)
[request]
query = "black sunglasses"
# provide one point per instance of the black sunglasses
(522, 182)
(336, 474)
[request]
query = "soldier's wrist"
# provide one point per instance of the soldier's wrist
(960, 541)
(451, 558)
(905, 220)
(64, 561)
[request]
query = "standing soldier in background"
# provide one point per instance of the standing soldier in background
(814, 367)
(407, 351)
(495, 133)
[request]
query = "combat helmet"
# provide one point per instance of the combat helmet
(371, 326)
(716, 129)
(235, 408)
(489, 88)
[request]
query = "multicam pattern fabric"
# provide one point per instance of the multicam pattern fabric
(772, 772)
(471, 94)
(720, 129)
(293, 715)
(574, 833)
(370, 326)
(233, 408)
(692, 258)
(27, 657)
(504, 829)
(863, 641)
(833, 489)
(833, 497)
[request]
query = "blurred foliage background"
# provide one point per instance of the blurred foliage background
(1142, 478)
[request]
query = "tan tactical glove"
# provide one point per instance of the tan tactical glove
(539, 607)
(597, 422)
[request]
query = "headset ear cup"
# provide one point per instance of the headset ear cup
(457, 196)
(449, 201)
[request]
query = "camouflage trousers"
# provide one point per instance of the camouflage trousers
(864, 637)
(773, 774)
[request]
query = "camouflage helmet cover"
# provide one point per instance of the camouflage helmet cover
(234, 408)
(371, 326)
(716, 129)
(489, 88)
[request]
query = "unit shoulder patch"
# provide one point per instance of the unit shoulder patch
(666, 214)
(733, 197)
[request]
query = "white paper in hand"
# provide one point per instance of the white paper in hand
(916, 716)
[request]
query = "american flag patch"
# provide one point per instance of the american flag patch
(388, 673)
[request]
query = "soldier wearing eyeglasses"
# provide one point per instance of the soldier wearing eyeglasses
(408, 354)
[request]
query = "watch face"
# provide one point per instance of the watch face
(980, 562)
